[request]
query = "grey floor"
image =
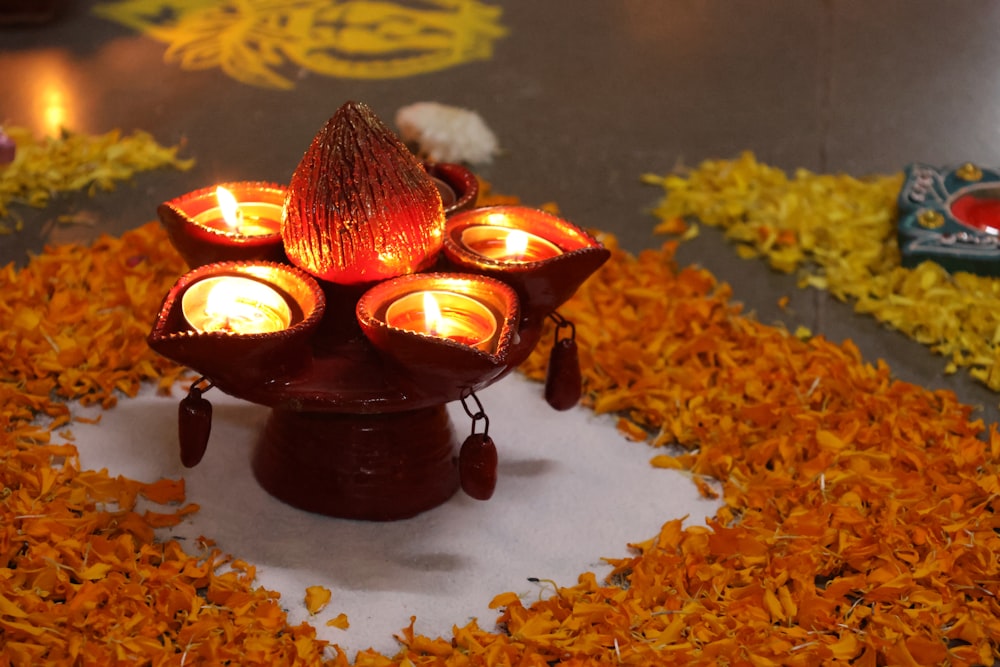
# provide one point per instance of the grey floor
(585, 97)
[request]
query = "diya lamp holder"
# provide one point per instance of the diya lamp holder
(381, 295)
(950, 216)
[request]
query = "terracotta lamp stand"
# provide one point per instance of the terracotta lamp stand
(379, 467)
(360, 317)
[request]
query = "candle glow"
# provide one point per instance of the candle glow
(235, 305)
(432, 314)
(229, 207)
(241, 218)
(444, 314)
(516, 242)
(508, 244)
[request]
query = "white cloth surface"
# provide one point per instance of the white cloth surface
(571, 491)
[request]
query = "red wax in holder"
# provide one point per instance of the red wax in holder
(979, 209)
(354, 347)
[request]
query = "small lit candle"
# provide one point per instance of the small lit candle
(237, 305)
(252, 218)
(444, 314)
(508, 244)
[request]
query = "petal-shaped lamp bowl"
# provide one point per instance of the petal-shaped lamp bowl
(543, 285)
(462, 365)
(460, 189)
(233, 360)
(199, 244)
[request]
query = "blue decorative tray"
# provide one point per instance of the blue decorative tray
(952, 217)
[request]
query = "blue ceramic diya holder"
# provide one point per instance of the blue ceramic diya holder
(952, 217)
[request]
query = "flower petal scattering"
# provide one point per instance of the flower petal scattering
(43, 167)
(317, 597)
(858, 523)
(74, 321)
(838, 233)
(83, 577)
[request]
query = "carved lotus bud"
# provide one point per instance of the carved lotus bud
(360, 207)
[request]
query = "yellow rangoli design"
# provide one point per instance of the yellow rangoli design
(254, 41)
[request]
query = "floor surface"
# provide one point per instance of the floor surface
(583, 102)
(585, 97)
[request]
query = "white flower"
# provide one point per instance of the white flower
(444, 133)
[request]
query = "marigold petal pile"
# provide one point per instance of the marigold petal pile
(74, 161)
(838, 233)
(84, 580)
(858, 524)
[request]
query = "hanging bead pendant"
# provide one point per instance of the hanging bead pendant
(563, 382)
(194, 425)
(477, 466)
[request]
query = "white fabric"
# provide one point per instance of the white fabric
(571, 490)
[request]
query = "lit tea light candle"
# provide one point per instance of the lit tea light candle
(237, 305)
(506, 244)
(444, 314)
(252, 218)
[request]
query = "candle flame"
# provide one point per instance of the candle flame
(56, 111)
(517, 242)
(228, 206)
(219, 303)
(432, 314)
(244, 306)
